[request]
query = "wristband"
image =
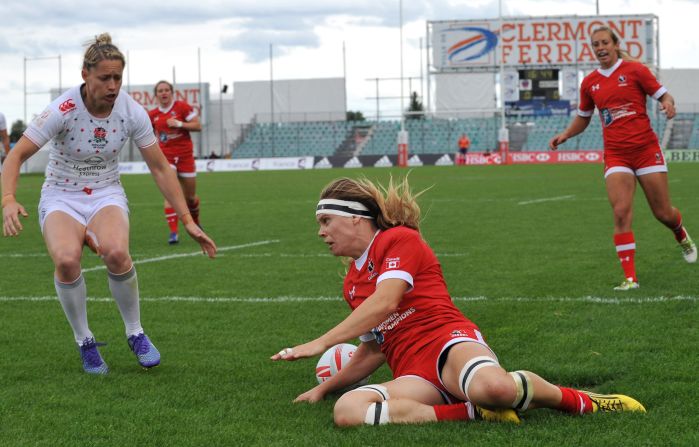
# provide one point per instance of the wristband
(180, 123)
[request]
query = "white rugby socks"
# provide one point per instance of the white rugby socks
(124, 288)
(73, 298)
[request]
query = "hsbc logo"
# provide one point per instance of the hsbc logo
(542, 157)
(592, 156)
(572, 156)
(66, 106)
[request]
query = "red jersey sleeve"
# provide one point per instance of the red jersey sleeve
(649, 83)
(186, 111)
(587, 105)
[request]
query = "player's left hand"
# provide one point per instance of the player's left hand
(668, 107)
(310, 349)
(174, 123)
(208, 246)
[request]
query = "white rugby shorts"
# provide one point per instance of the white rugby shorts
(79, 205)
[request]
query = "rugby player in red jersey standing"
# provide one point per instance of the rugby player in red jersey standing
(402, 312)
(618, 90)
(173, 121)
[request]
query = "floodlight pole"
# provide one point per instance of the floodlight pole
(402, 111)
(26, 92)
(503, 134)
(403, 134)
(271, 95)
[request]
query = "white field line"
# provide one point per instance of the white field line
(238, 255)
(548, 199)
(184, 255)
(303, 299)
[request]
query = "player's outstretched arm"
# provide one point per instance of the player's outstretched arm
(11, 209)
(167, 182)
(369, 314)
(577, 126)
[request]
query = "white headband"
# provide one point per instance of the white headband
(343, 208)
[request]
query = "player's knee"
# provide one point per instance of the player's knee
(358, 406)
(665, 215)
(67, 263)
(116, 258)
(492, 390)
(349, 411)
(622, 213)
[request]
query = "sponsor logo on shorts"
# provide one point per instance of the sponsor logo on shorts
(459, 333)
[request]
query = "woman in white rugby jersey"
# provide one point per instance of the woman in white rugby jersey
(82, 200)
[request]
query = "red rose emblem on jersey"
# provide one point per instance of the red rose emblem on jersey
(66, 106)
(100, 134)
(392, 263)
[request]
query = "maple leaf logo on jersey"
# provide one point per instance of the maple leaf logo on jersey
(392, 263)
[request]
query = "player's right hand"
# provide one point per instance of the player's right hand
(556, 141)
(311, 396)
(208, 246)
(11, 225)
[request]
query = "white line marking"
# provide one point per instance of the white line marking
(296, 299)
(24, 255)
(549, 199)
(184, 255)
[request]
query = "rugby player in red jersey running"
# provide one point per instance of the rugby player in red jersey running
(173, 121)
(618, 90)
(403, 314)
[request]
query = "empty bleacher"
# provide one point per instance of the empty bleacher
(426, 136)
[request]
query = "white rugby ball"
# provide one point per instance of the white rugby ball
(333, 360)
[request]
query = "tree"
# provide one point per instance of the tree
(416, 109)
(16, 131)
(355, 116)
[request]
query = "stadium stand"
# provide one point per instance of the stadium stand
(426, 136)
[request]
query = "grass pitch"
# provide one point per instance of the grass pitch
(527, 253)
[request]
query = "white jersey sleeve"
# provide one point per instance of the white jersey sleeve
(45, 126)
(3, 123)
(142, 129)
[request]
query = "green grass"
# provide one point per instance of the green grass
(537, 278)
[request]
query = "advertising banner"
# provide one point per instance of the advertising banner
(536, 41)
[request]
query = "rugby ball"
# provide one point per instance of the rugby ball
(333, 360)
